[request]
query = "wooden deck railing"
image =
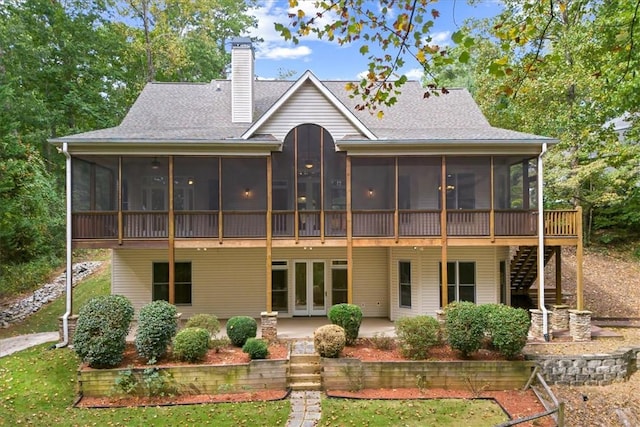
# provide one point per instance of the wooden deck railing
(252, 224)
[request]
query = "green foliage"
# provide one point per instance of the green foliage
(417, 335)
(329, 340)
(158, 383)
(218, 344)
(508, 328)
(349, 317)
(157, 324)
(101, 330)
(256, 349)
(382, 342)
(240, 329)
(126, 383)
(191, 344)
(204, 321)
(465, 327)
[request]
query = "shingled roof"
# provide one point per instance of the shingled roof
(201, 112)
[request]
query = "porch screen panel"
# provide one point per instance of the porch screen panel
(244, 196)
(515, 210)
(196, 196)
(468, 183)
(283, 188)
(145, 197)
(418, 195)
(373, 195)
(335, 185)
(94, 190)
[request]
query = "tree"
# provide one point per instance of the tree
(184, 40)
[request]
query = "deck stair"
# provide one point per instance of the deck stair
(524, 266)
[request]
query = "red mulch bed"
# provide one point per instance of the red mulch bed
(516, 403)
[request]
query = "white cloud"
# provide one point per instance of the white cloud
(442, 38)
(415, 74)
(277, 53)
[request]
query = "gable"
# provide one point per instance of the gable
(309, 105)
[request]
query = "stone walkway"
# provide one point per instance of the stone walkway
(305, 405)
(22, 342)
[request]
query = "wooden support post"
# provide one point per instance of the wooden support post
(558, 253)
(120, 217)
(220, 217)
(492, 213)
(322, 189)
(443, 234)
(396, 224)
(579, 284)
(269, 256)
(172, 246)
(349, 235)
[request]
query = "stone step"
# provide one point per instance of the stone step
(305, 368)
(304, 359)
(304, 378)
(307, 386)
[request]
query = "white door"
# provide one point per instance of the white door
(310, 289)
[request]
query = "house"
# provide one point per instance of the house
(241, 196)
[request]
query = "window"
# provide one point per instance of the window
(182, 280)
(461, 281)
(339, 291)
(404, 273)
(280, 286)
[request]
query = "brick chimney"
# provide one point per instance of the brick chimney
(241, 80)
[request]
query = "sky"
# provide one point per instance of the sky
(330, 61)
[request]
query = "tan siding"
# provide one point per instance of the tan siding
(308, 105)
(226, 282)
(370, 284)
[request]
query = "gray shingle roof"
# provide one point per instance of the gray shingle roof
(202, 112)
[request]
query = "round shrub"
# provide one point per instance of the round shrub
(240, 329)
(256, 349)
(101, 330)
(417, 335)
(204, 321)
(191, 344)
(329, 340)
(508, 327)
(349, 317)
(465, 327)
(157, 324)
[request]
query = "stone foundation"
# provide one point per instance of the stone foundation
(72, 321)
(536, 331)
(269, 325)
(560, 317)
(580, 325)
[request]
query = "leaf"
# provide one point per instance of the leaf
(457, 37)
(464, 57)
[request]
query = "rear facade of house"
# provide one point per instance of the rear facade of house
(241, 196)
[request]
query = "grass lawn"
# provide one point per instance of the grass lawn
(46, 319)
(436, 412)
(37, 387)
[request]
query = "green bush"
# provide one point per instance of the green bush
(101, 331)
(204, 321)
(465, 327)
(256, 349)
(349, 317)
(329, 340)
(219, 343)
(417, 335)
(157, 324)
(508, 328)
(191, 344)
(240, 329)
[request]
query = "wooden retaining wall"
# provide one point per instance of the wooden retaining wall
(353, 374)
(194, 379)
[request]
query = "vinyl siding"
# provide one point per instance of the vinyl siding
(370, 284)
(225, 282)
(308, 105)
(425, 275)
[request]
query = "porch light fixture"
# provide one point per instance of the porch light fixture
(247, 193)
(308, 164)
(190, 180)
(155, 164)
(370, 192)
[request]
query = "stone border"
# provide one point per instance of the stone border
(588, 369)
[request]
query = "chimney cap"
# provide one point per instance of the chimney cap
(241, 41)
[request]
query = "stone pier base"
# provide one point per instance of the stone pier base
(72, 320)
(269, 325)
(580, 325)
(536, 330)
(560, 317)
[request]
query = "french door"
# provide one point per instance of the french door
(310, 288)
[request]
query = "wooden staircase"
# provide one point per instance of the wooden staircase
(524, 267)
(304, 372)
